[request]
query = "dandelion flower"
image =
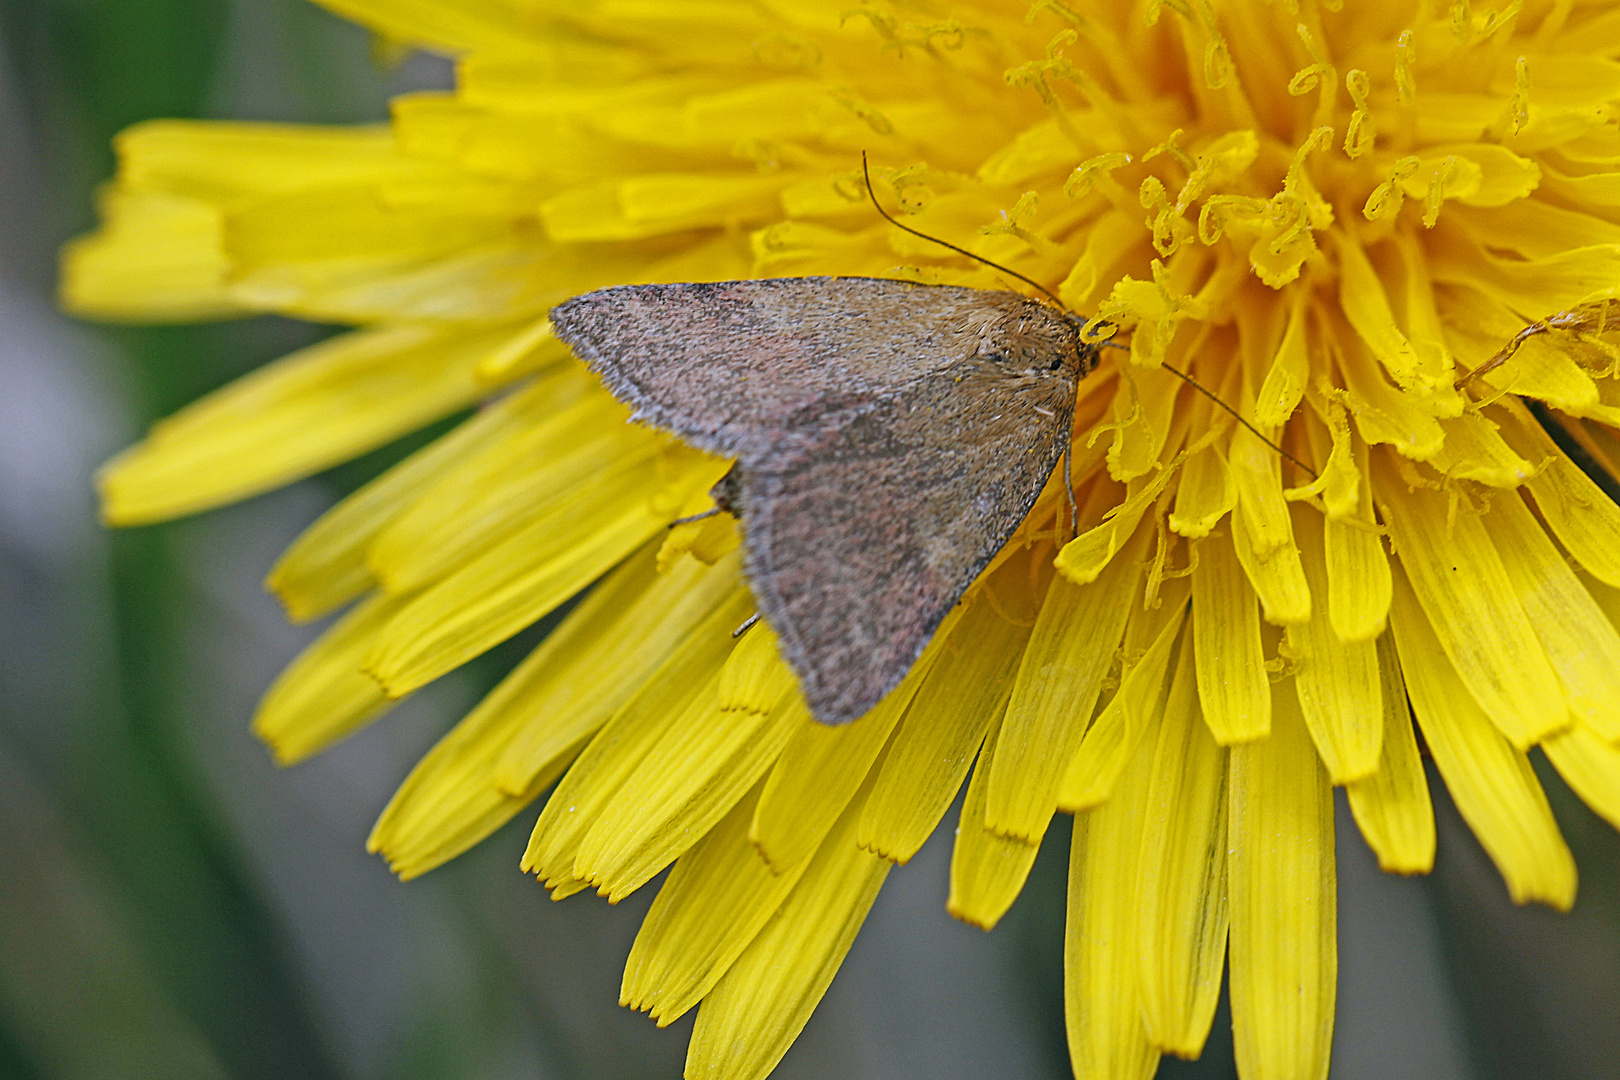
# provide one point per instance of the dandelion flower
(1326, 215)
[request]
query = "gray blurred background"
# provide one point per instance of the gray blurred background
(171, 905)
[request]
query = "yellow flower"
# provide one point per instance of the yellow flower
(1326, 216)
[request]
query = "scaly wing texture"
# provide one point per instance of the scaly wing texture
(740, 368)
(889, 438)
(859, 545)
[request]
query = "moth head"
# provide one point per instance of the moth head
(1026, 339)
(1088, 346)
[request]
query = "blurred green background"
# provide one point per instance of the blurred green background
(173, 906)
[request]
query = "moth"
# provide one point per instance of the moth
(888, 438)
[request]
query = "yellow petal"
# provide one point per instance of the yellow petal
(351, 228)
(1111, 740)
(1492, 783)
(1498, 176)
(1357, 568)
(1070, 649)
(1585, 520)
(1591, 765)
(1102, 1000)
(1337, 681)
(1114, 236)
(1361, 294)
(698, 770)
(1579, 80)
(563, 696)
(1590, 189)
(622, 745)
(1539, 370)
(789, 107)
(1382, 413)
(961, 697)
(1205, 494)
(1181, 904)
(513, 483)
(760, 1005)
(755, 676)
(1607, 410)
(1285, 381)
(1392, 805)
(1233, 690)
(1085, 557)
(1339, 483)
(1471, 603)
(1283, 903)
(156, 258)
(1474, 451)
(1606, 596)
(518, 581)
(296, 416)
(451, 26)
(705, 540)
(1581, 643)
(452, 798)
(1552, 283)
(496, 280)
(1277, 579)
(1254, 468)
(714, 903)
(223, 162)
(1451, 116)
(1037, 149)
(323, 696)
(531, 349)
(822, 767)
(654, 205)
(1425, 328)
(1143, 418)
(1534, 228)
(326, 566)
(163, 252)
(1357, 580)
(987, 870)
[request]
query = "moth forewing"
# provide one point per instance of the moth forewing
(889, 438)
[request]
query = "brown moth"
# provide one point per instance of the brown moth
(888, 437)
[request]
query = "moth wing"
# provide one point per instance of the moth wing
(737, 367)
(858, 548)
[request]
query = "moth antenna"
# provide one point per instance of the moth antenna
(706, 515)
(1198, 386)
(866, 174)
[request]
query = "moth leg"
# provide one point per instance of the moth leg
(727, 492)
(1068, 489)
(688, 519)
(727, 496)
(747, 625)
